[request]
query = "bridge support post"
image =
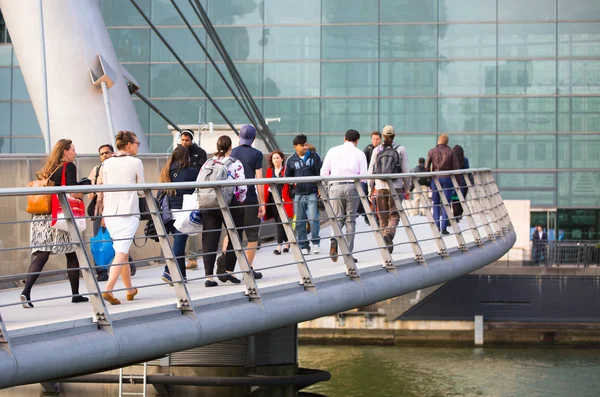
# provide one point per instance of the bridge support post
(442, 251)
(488, 201)
(498, 199)
(4, 339)
(479, 330)
(305, 276)
(482, 209)
(462, 244)
(466, 210)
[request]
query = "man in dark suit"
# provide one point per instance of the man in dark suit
(540, 241)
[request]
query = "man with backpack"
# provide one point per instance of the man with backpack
(388, 158)
(419, 199)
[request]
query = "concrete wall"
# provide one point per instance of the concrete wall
(519, 211)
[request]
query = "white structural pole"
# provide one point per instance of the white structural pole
(46, 124)
(111, 128)
(74, 34)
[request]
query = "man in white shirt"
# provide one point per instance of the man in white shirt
(345, 159)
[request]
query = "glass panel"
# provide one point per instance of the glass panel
(526, 151)
(530, 10)
(416, 145)
(578, 151)
(236, 12)
(5, 55)
(5, 83)
(579, 77)
(181, 111)
(408, 114)
(479, 149)
(578, 10)
(171, 80)
(163, 13)
(526, 114)
(468, 41)
(537, 198)
(467, 78)
(286, 144)
(292, 79)
(131, 45)
(182, 42)
(160, 144)
(143, 113)
(578, 189)
(408, 10)
(343, 114)
(231, 109)
(24, 121)
(28, 145)
(350, 11)
(297, 115)
(579, 114)
(467, 10)
(408, 41)
(19, 89)
(350, 42)
(350, 79)
(408, 78)
(251, 74)
(467, 115)
(292, 11)
(532, 40)
(5, 123)
(123, 13)
(526, 77)
(579, 39)
(526, 180)
(579, 224)
(141, 73)
(285, 43)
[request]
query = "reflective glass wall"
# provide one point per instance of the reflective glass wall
(516, 83)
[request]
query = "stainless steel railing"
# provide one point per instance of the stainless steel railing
(580, 253)
(484, 218)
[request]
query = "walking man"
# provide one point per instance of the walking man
(389, 158)
(197, 159)
(424, 182)
(345, 160)
(441, 158)
(305, 162)
(540, 241)
(375, 141)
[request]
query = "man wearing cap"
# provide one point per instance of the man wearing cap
(386, 206)
(254, 205)
(344, 160)
(197, 160)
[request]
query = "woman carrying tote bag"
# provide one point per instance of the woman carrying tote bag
(46, 240)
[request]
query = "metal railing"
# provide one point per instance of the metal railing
(580, 253)
(484, 218)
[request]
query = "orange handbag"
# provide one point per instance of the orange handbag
(40, 204)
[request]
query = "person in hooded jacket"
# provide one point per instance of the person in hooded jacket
(177, 169)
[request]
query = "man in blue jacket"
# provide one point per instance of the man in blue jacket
(306, 199)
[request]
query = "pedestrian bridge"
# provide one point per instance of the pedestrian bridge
(58, 339)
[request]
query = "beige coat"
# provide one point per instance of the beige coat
(124, 170)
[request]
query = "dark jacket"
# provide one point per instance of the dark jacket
(71, 175)
(295, 166)
(369, 152)
(197, 156)
(441, 158)
(424, 181)
(181, 175)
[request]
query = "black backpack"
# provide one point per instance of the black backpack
(388, 161)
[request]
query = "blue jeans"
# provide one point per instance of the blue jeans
(179, 241)
(306, 206)
(447, 186)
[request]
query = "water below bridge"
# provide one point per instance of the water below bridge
(368, 371)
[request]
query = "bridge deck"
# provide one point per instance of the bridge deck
(61, 313)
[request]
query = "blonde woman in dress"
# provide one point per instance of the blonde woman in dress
(121, 210)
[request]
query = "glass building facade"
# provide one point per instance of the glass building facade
(516, 83)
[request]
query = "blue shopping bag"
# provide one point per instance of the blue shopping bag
(102, 248)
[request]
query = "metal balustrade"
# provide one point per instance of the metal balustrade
(418, 242)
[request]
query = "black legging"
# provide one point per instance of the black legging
(38, 265)
(212, 222)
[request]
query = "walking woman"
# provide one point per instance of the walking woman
(277, 170)
(46, 240)
(121, 210)
(177, 169)
(463, 163)
(212, 220)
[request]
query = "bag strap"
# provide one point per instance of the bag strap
(63, 181)
(97, 173)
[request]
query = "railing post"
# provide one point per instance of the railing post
(305, 276)
(388, 261)
(101, 314)
(462, 244)
(4, 339)
(484, 213)
(184, 300)
(442, 250)
(466, 210)
(496, 194)
(351, 269)
(412, 238)
(488, 199)
(249, 281)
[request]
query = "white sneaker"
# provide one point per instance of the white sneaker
(305, 251)
(316, 249)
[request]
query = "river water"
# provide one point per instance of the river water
(374, 371)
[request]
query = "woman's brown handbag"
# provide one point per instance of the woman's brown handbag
(40, 204)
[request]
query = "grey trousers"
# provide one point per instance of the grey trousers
(344, 200)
